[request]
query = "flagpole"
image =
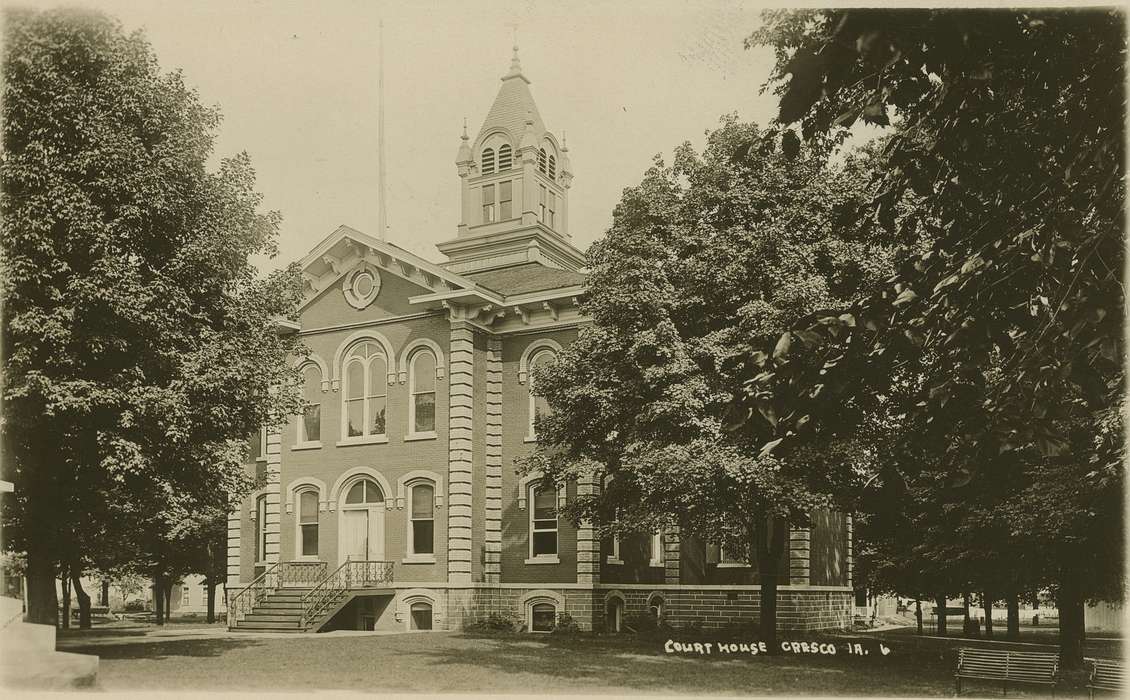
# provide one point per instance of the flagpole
(382, 213)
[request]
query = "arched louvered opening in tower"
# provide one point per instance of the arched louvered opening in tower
(541, 160)
(552, 166)
(488, 161)
(505, 157)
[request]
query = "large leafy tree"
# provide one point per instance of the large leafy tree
(140, 345)
(705, 259)
(1009, 131)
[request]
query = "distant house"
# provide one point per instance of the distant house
(419, 393)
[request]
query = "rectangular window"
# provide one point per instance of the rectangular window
(488, 204)
(552, 209)
(308, 522)
(186, 596)
(505, 197)
(423, 519)
(541, 203)
(655, 549)
(543, 522)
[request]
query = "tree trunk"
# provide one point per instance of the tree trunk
(769, 541)
(966, 626)
(918, 615)
(211, 587)
(1013, 628)
(42, 597)
(105, 600)
(66, 586)
(987, 605)
(940, 602)
(168, 599)
(83, 601)
(1070, 602)
(158, 603)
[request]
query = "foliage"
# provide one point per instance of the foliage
(565, 625)
(141, 347)
(494, 622)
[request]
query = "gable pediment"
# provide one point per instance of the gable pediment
(352, 262)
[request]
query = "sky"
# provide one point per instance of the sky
(296, 81)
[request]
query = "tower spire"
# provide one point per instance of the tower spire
(382, 205)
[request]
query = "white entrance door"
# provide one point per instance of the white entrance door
(355, 534)
(362, 534)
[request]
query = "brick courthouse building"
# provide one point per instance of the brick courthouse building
(418, 400)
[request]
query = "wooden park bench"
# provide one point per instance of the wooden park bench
(1040, 668)
(1106, 674)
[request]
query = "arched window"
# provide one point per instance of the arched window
(366, 381)
(656, 606)
(505, 157)
(614, 615)
(421, 519)
(543, 617)
(487, 161)
(420, 615)
(365, 491)
(543, 522)
(261, 528)
(541, 160)
(308, 523)
(422, 387)
(538, 404)
(310, 422)
(552, 166)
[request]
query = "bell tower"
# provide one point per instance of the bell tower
(515, 178)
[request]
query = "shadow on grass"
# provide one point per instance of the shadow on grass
(164, 649)
(631, 663)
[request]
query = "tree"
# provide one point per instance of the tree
(1009, 128)
(141, 346)
(705, 258)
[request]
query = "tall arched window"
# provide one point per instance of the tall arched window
(541, 160)
(538, 404)
(655, 548)
(552, 166)
(261, 528)
(310, 422)
(487, 161)
(543, 522)
(366, 381)
(505, 157)
(422, 519)
(422, 387)
(308, 523)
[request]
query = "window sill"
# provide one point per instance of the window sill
(430, 435)
(530, 438)
(312, 445)
(543, 560)
(732, 565)
(613, 560)
(307, 558)
(371, 440)
(419, 559)
(655, 564)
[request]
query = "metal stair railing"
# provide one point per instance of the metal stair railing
(350, 575)
(302, 574)
(246, 600)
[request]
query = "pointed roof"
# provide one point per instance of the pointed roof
(513, 105)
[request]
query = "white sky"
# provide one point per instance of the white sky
(296, 81)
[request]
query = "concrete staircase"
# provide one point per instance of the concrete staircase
(280, 611)
(28, 660)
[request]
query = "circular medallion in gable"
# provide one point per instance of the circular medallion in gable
(361, 286)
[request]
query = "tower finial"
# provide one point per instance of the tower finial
(464, 137)
(564, 141)
(515, 64)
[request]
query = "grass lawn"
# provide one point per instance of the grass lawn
(453, 662)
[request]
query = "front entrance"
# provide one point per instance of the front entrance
(362, 535)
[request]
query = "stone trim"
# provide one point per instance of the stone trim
(460, 441)
(588, 546)
(850, 563)
(492, 545)
(274, 497)
(671, 571)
